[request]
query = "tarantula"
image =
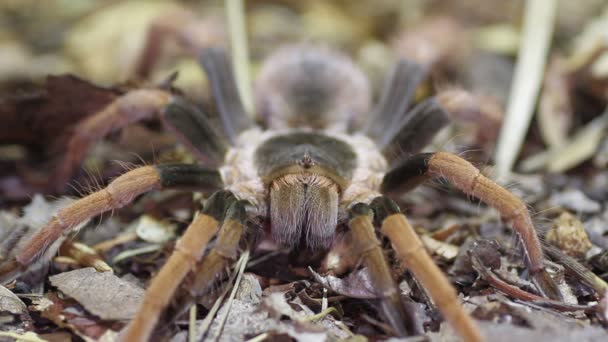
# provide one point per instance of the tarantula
(323, 160)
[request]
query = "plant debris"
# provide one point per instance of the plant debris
(101, 293)
(62, 62)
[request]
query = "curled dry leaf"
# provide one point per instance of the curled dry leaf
(356, 285)
(103, 294)
(67, 313)
(11, 303)
(41, 120)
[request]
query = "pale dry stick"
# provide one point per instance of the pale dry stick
(320, 315)
(241, 269)
(188, 251)
(580, 147)
(192, 324)
(206, 323)
(536, 38)
(130, 253)
(240, 52)
(106, 245)
(261, 337)
(412, 254)
(84, 255)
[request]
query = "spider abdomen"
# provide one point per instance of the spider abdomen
(301, 86)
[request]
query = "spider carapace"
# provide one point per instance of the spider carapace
(321, 158)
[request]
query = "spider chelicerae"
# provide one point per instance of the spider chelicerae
(321, 162)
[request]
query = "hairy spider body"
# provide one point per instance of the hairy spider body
(310, 177)
(326, 160)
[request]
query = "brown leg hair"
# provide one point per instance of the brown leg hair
(131, 107)
(206, 272)
(117, 194)
(188, 252)
(467, 178)
(191, 127)
(412, 254)
(367, 245)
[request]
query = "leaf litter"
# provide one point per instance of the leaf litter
(275, 300)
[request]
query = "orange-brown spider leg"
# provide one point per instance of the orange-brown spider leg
(117, 194)
(412, 254)
(213, 265)
(467, 178)
(367, 245)
(131, 107)
(188, 252)
(191, 127)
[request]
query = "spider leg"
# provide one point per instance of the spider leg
(396, 96)
(467, 178)
(194, 130)
(190, 32)
(191, 127)
(367, 245)
(134, 106)
(120, 192)
(188, 252)
(412, 254)
(225, 92)
(204, 275)
(415, 130)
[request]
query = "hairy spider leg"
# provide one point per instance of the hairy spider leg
(214, 264)
(192, 127)
(225, 92)
(188, 251)
(367, 245)
(120, 192)
(412, 254)
(191, 33)
(468, 179)
(131, 107)
(415, 130)
(396, 96)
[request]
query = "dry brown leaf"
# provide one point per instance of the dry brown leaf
(102, 294)
(356, 285)
(41, 119)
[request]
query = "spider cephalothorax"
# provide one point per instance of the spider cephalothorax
(325, 159)
(304, 179)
